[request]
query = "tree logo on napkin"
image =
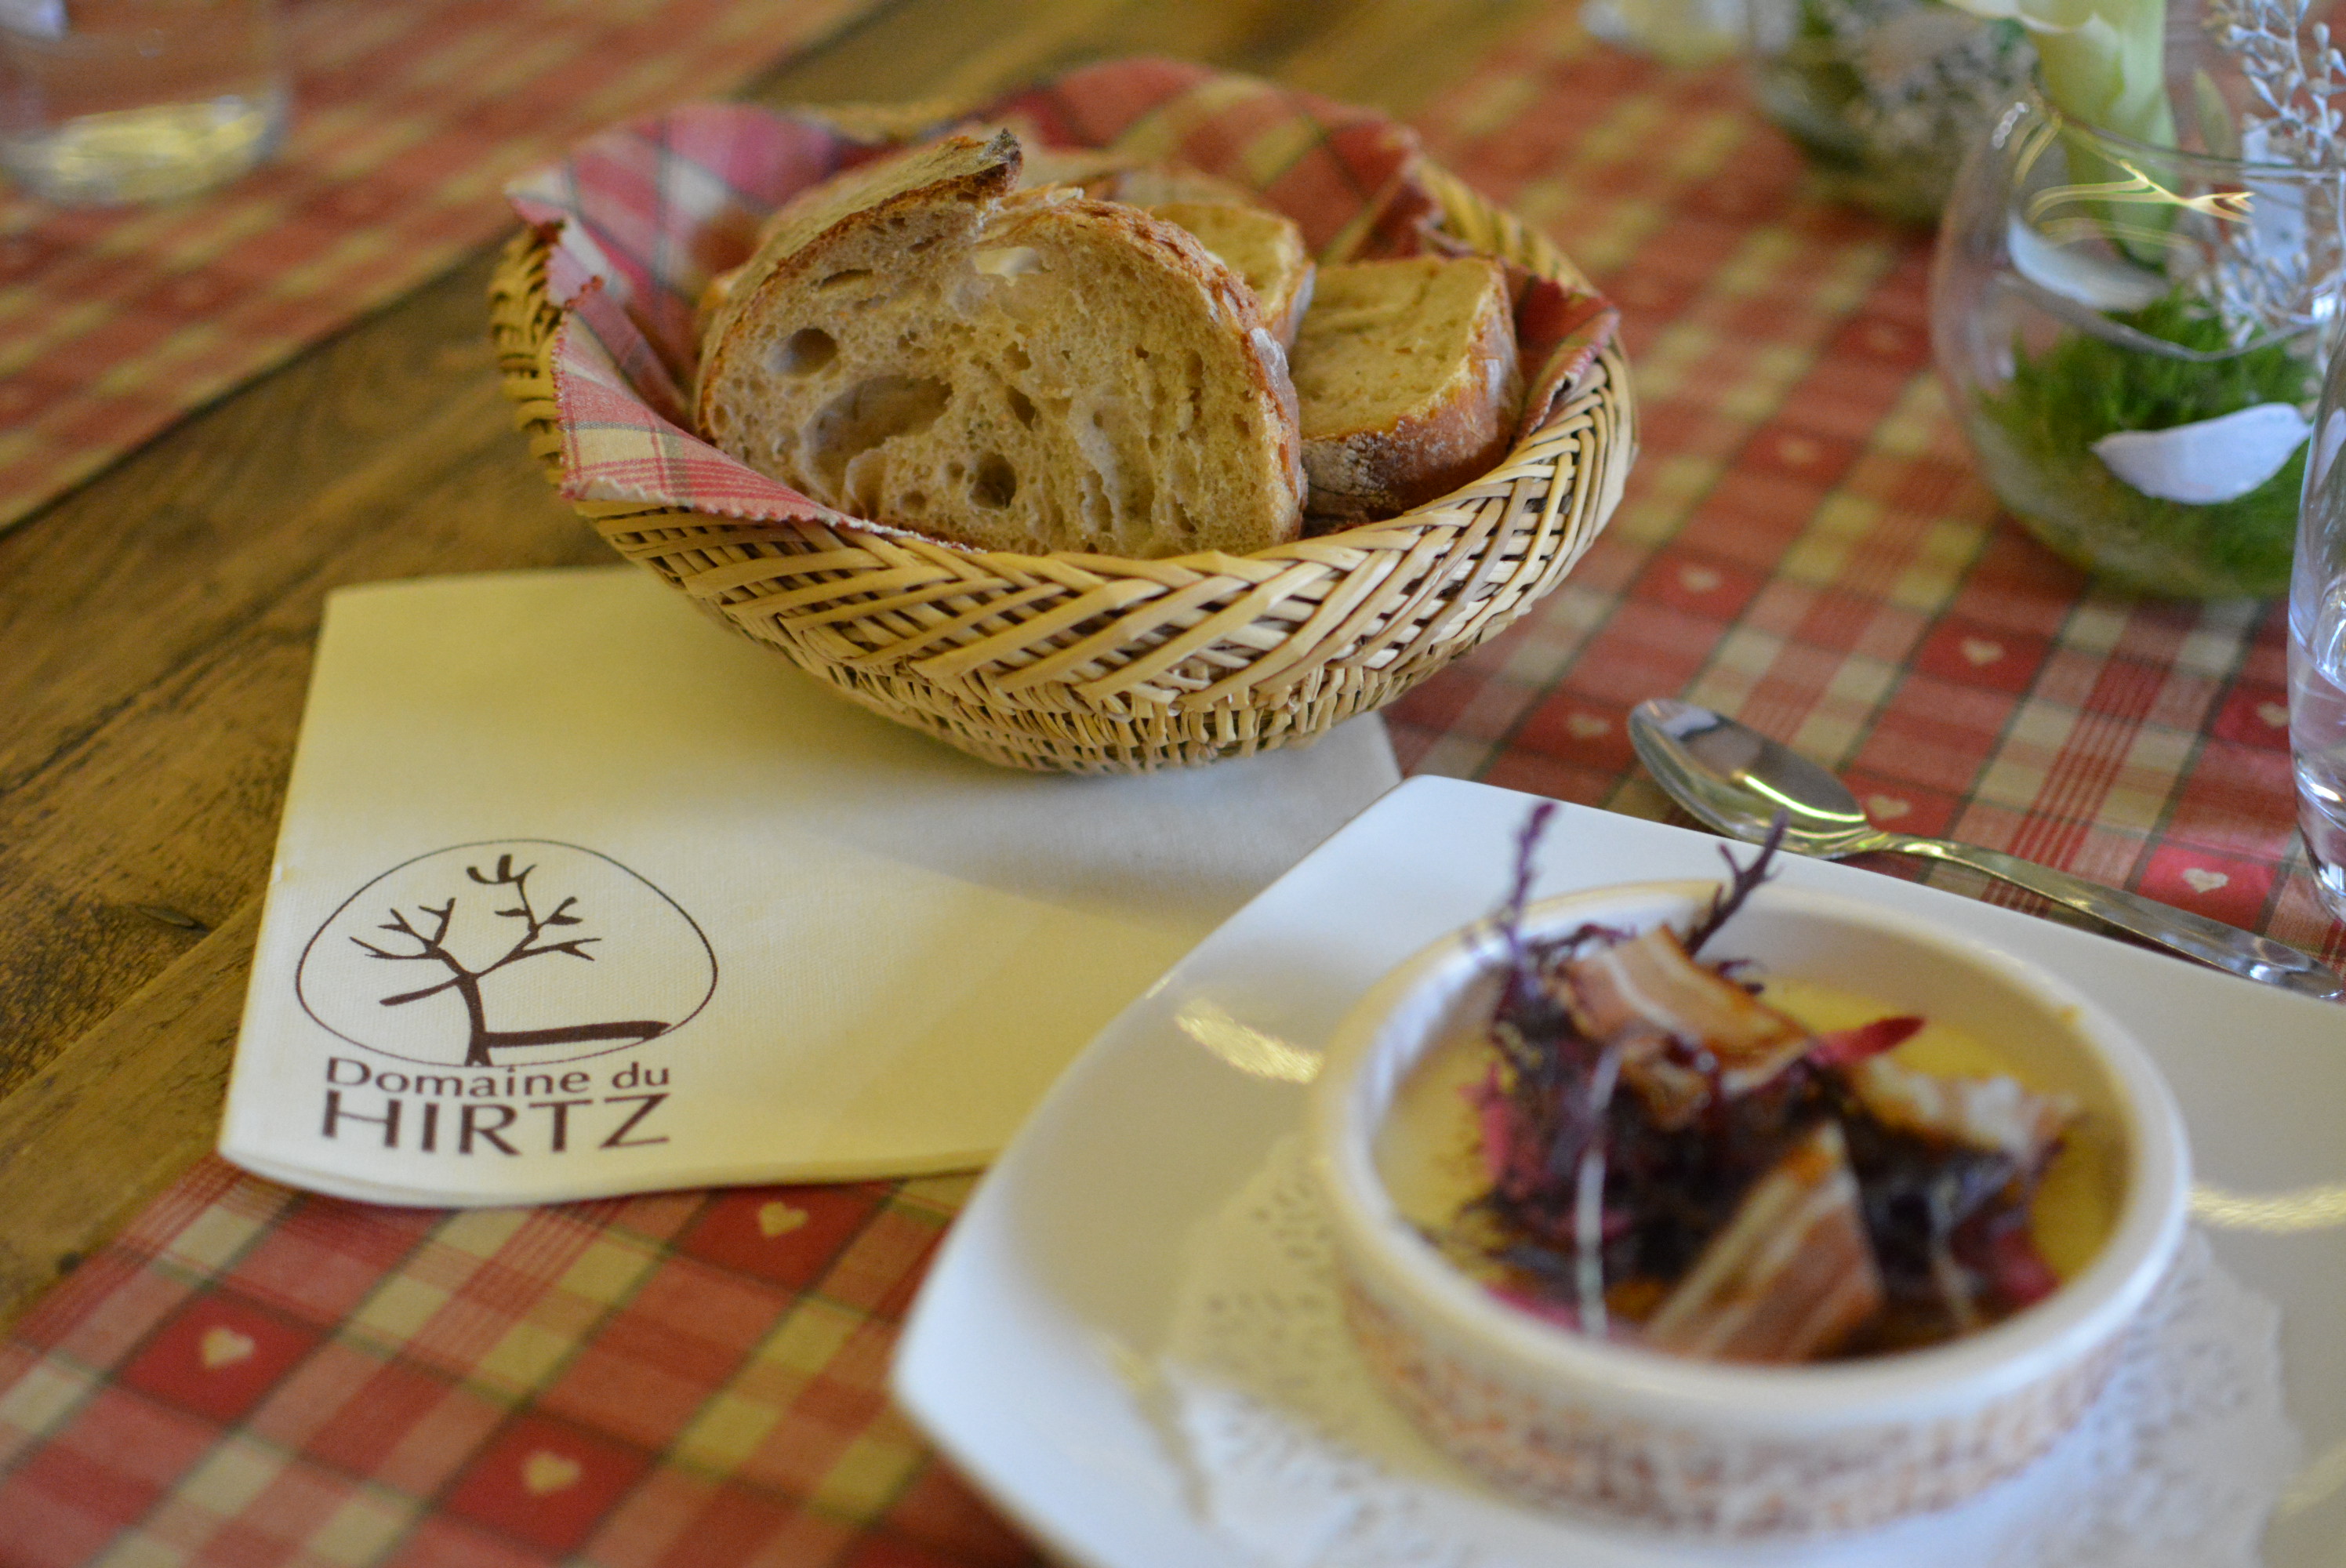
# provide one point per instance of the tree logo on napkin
(516, 952)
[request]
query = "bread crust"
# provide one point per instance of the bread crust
(1380, 470)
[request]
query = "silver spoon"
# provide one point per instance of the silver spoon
(1737, 779)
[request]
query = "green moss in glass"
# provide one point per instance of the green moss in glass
(2038, 437)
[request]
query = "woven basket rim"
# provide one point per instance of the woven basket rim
(520, 271)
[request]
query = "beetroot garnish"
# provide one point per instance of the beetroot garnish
(1742, 881)
(1511, 1157)
(1510, 917)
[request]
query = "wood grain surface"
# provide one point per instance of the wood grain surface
(158, 622)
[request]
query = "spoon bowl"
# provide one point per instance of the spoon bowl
(1737, 779)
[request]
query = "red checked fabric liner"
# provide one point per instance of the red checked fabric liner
(407, 119)
(647, 213)
(252, 1377)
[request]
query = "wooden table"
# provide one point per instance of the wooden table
(158, 622)
(1806, 544)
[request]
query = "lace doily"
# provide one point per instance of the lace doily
(1296, 1459)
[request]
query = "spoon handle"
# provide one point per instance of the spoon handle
(2226, 947)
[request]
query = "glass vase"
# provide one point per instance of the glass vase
(2133, 338)
(1884, 95)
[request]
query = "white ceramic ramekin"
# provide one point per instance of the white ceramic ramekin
(1740, 1451)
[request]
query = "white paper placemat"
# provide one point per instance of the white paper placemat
(577, 894)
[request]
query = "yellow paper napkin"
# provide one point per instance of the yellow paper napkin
(578, 895)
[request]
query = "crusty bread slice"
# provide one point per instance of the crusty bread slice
(1263, 246)
(1032, 373)
(1406, 375)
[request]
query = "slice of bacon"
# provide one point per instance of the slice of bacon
(1792, 1275)
(1645, 994)
(1992, 1113)
(1674, 1091)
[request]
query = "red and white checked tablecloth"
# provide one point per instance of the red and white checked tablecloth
(409, 117)
(251, 1376)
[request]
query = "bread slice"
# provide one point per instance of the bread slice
(870, 184)
(1105, 175)
(1407, 379)
(1032, 373)
(1263, 246)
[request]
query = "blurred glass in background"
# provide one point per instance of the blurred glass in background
(104, 102)
(1885, 96)
(1675, 32)
(2317, 649)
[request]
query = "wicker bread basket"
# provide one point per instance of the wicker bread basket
(1090, 664)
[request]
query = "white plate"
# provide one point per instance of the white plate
(1060, 1277)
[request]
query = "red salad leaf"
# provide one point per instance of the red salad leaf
(1845, 1047)
(2020, 1272)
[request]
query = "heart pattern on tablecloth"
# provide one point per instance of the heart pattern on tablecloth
(1699, 579)
(222, 1345)
(545, 1471)
(1979, 652)
(1586, 726)
(2273, 713)
(778, 1218)
(2204, 882)
(1887, 808)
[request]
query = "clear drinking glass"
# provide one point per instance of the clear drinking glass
(105, 102)
(2317, 649)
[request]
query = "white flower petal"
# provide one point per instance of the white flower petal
(2214, 459)
(2101, 281)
